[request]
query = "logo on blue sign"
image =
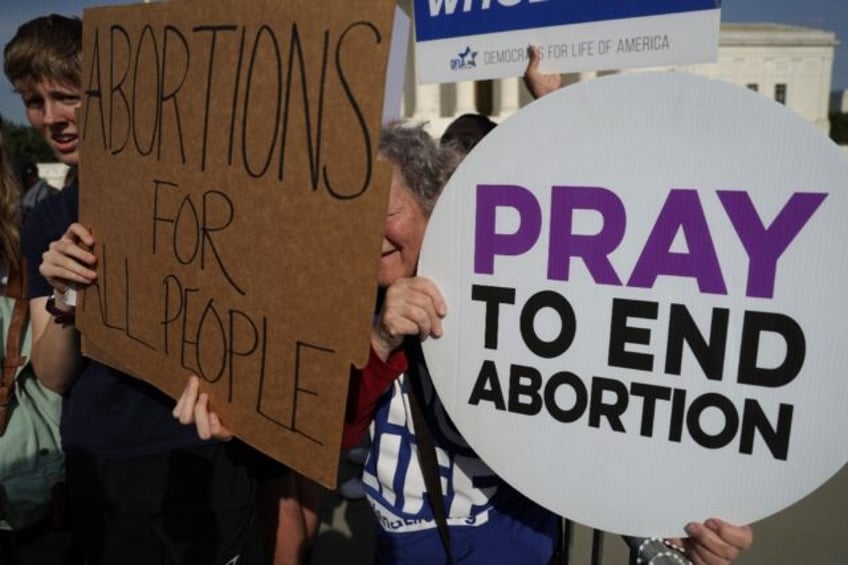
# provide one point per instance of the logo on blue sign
(466, 60)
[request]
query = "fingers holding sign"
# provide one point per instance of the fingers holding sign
(537, 83)
(193, 408)
(67, 261)
(412, 306)
(715, 542)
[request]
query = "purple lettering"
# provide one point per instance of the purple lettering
(593, 249)
(682, 211)
(488, 243)
(765, 245)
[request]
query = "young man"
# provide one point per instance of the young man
(142, 488)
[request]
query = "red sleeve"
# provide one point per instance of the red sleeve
(366, 387)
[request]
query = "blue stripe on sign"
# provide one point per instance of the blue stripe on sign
(441, 19)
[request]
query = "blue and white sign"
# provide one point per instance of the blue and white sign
(486, 39)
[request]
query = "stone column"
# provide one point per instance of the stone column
(506, 97)
(427, 102)
(465, 99)
(588, 75)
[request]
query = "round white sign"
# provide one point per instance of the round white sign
(646, 325)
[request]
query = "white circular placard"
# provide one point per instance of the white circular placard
(645, 277)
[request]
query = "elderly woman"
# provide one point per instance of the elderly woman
(487, 520)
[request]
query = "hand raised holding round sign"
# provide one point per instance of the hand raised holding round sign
(645, 319)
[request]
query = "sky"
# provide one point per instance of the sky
(831, 15)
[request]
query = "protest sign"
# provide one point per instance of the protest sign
(229, 177)
(645, 314)
(487, 39)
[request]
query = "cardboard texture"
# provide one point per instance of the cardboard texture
(229, 177)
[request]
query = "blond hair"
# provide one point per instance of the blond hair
(10, 199)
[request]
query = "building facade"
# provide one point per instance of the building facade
(792, 65)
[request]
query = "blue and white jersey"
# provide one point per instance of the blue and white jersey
(488, 521)
(393, 478)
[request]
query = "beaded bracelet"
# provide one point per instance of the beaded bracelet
(656, 551)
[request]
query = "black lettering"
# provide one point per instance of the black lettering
(728, 411)
(710, 355)
(756, 323)
(487, 387)
(169, 314)
(312, 150)
(128, 311)
(209, 74)
(493, 296)
(678, 411)
(649, 394)
(524, 382)
(611, 411)
(363, 126)
(188, 255)
(558, 303)
(776, 438)
(247, 328)
(191, 231)
(95, 90)
(144, 66)
(226, 210)
(211, 343)
(302, 350)
(185, 342)
(621, 334)
(169, 94)
(581, 397)
(157, 216)
(236, 86)
(274, 70)
(116, 89)
(115, 316)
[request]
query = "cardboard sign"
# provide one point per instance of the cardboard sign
(645, 304)
(229, 177)
(487, 39)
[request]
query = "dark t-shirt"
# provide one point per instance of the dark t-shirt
(106, 413)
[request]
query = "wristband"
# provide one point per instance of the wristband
(61, 317)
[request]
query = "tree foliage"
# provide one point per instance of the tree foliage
(25, 142)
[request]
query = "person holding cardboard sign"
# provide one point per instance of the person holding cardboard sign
(141, 488)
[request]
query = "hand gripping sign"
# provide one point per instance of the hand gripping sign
(646, 323)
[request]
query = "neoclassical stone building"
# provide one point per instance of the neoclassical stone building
(790, 64)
